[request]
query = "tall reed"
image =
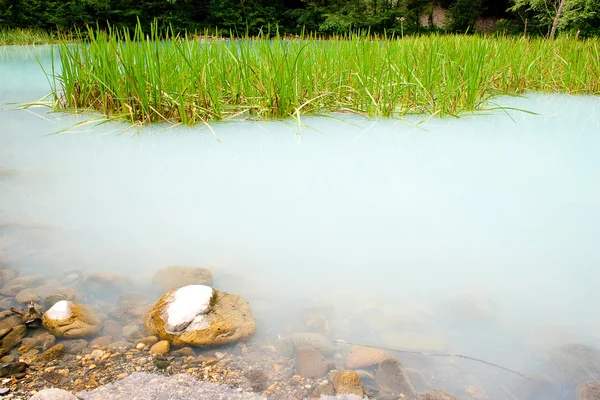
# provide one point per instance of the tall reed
(149, 78)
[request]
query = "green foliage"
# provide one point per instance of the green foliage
(577, 15)
(463, 14)
(185, 81)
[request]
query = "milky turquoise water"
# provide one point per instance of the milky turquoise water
(481, 230)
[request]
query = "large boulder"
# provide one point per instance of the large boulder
(391, 377)
(72, 320)
(199, 315)
(170, 278)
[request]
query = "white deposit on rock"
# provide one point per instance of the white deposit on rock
(187, 308)
(71, 319)
(199, 315)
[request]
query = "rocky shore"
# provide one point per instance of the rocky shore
(94, 335)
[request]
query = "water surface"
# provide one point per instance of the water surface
(476, 234)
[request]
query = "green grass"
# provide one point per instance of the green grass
(25, 37)
(187, 81)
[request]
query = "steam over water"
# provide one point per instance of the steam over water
(477, 235)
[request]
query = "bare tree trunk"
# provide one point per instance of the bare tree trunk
(556, 18)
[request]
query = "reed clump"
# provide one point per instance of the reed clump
(25, 37)
(154, 78)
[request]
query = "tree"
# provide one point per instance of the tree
(559, 15)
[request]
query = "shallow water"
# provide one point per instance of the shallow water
(476, 235)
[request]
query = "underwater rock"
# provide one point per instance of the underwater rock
(576, 363)
(26, 295)
(12, 369)
(9, 319)
(435, 395)
(70, 319)
(391, 377)
(161, 347)
(315, 340)
(53, 353)
(106, 283)
(363, 356)
(418, 380)
(310, 363)
(11, 338)
(348, 382)
(198, 315)
(13, 287)
(7, 274)
(588, 391)
(175, 277)
(75, 346)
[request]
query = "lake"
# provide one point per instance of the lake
(475, 235)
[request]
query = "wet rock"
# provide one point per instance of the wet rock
(324, 390)
(121, 345)
(198, 315)
(52, 290)
(285, 348)
(27, 295)
(150, 341)
(28, 343)
(132, 332)
(435, 395)
(391, 377)
(53, 353)
(176, 277)
(72, 277)
(348, 382)
(75, 346)
(12, 369)
(161, 362)
(70, 319)
(7, 274)
(106, 283)
(131, 306)
(13, 287)
(53, 394)
(315, 340)
(161, 347)
(9, 319)
(588, 391)
(363, 357)
(257, 380)
(418, 380)
(576, 363)
(6, 303)
(111, 328)
(44, 339)
(310, 363)
(101, 341)
(11, 338)
(184, 352)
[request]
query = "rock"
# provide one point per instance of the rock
(131, 306)
(197, 315)
(315, 340)
(310, 363)
(6, 303)
(101, 341)
(576, 363)
(50, 291)
(391, 377)
(53, 353)
(75, 346)
(538, 386)
(184, 352)
(418, 380)
(53, 394)
(324, 390)
(70, 319)
(12, 369)
(13, 287)
(7, 274)
(150, 341)
(8, 319)
(96, 354)
(111, 328)
(435, 395)
(53, 299)
(106, 283)
(362, 357)
(44, 339)
(348, 382)
(161, 347)
(29, 343)
(257, 380)
(588, 391)
(131, 332)
(176, 277)
(121, 345)
(27, 295)
(11, 338)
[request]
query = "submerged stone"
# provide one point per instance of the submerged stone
(175, 277)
